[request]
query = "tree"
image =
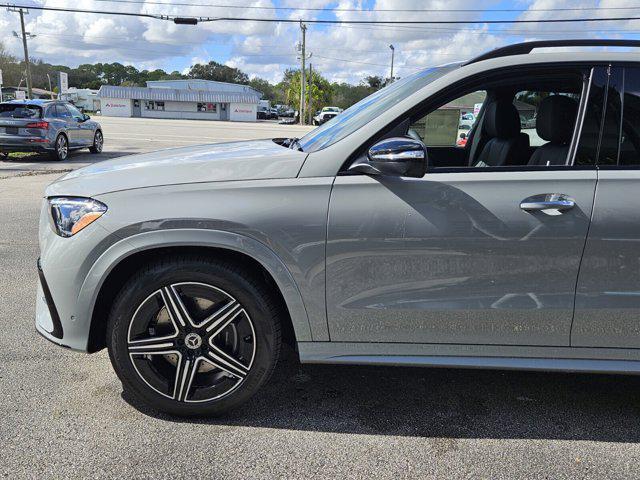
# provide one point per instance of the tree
(287, 91)
(374, 82)
(268, 91)
(217, 72)
(320, 89)
(345, 95)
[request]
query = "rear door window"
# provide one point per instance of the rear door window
(610, 136)
(630, 138)
(62, 111)
(75, 113)
(587, 152)
(8, 110)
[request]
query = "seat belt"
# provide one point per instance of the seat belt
(475, 141)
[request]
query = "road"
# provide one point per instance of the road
(125, 136)
(63, 414)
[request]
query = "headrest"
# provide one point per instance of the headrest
(556, 118)
(502, 119)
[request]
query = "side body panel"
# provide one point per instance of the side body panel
(608, 294)
(568, 359)
(288, 217)
(87, 128)
(279, 223)
(452, 258)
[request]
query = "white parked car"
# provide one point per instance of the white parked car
(326, 114)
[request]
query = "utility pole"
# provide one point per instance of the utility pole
(50, 90)
(310, 93)
(393, 51)
(25, 35)
(303, 55)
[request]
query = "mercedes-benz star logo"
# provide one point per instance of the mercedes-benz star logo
(193, 341)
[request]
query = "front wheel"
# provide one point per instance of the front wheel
(191, 336)
(98, 142)
(61, 149)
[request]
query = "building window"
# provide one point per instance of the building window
(208, 107)
(152, 105)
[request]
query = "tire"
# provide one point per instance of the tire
(230, 367)
(61, 149)
(98, 142)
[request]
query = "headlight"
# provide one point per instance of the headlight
(71, 214)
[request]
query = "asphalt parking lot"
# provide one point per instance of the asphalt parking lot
(64, 415)
(127, 136)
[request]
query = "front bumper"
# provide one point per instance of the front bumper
(47, 319)
(63, 308)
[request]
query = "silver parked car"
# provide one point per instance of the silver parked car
(49, 126)
(374, 239)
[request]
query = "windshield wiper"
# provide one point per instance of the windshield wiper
(294, 144)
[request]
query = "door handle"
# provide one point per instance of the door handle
(557, 202)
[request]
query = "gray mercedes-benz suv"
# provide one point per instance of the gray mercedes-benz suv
(374, 239)
(51, 126)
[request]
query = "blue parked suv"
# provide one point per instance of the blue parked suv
(47, 126)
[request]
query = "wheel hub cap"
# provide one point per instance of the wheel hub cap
(193, 341)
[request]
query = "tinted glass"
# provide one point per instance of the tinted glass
(444, 126)
(610, 137)
(62, 111)
(9, 110)
(630, 141)
(74, 111)
(590, 137)
(358, 115)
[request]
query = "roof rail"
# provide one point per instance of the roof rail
(526, 47)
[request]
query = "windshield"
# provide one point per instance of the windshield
(9, 110)
(358, 115)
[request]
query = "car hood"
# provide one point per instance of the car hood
(249, 160)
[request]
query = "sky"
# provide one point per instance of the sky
(343, 53)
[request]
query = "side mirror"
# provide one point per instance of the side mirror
(85, 117)
(398, 156)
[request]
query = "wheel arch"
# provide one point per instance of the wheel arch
(111, 270)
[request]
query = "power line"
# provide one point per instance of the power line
(424, 22)
(192, 20)
(339, 9)
(438, 31)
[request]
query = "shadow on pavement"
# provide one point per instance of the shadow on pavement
(74, 157)
(439, 403)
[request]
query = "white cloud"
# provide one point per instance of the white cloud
(340, 52)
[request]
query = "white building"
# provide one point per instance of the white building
(83, 98)
(190, 99)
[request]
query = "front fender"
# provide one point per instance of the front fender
(191, 237)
